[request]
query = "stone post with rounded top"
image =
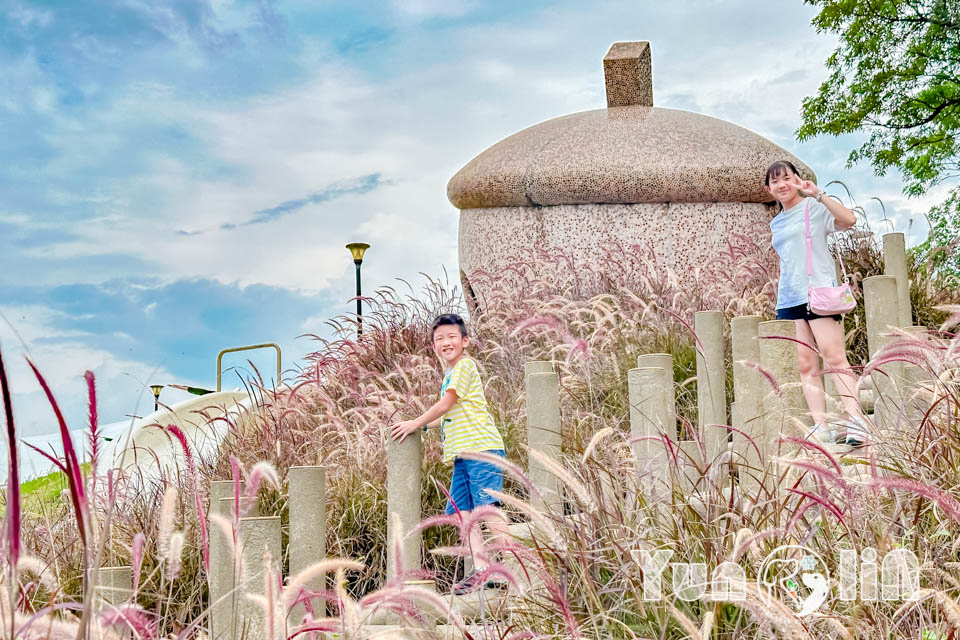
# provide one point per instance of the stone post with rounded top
(225, 601)
(257, 536)
(688, 451)
(919, 380)
(307, 500)
(404, 478)
(749, 388)
(544, 433)
(220, 578)
(650, 425)
(114, 586)
(537, 366)
(663, 361)
(222, 561)
(784, 407)
(711, 382)
(881, 306)
(895, 264)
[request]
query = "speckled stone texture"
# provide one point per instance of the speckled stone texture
(628, 74)
(620, 155)
(682, 235)
(632, 173)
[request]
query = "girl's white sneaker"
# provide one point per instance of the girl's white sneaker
(821, 432)
(855, 434)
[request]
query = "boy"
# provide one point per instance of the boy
(467, 427)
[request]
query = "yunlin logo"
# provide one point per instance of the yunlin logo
(793, 574)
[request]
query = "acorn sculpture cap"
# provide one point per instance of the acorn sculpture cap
(627, 153)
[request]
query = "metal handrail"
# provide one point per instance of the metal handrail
(265, 345)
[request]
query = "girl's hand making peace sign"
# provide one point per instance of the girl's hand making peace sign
(806, 187)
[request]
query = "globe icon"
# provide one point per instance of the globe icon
(797, 576)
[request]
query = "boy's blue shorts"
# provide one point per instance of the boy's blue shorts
(469, 481)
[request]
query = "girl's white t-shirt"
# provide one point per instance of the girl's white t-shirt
(790, 243)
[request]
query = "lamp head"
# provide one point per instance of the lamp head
(156, 389)
(357, 249)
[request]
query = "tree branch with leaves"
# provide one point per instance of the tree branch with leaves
(894, 75)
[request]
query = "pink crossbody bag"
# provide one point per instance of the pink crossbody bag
(826, 301)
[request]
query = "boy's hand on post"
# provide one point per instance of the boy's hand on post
(401, 430)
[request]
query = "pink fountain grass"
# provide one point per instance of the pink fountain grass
(94, 436)
(136, 559)
(575, 571)
(71, 465)
(132, 619)
(193, 478)
(12, 515)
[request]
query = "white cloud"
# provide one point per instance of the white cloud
(436, 98)
(423, 9)
(416, 125)
(28, 17)
(62, 358)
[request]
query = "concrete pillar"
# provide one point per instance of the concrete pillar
(895, 264)
(114, 586)
(883, 315)
(914, 394)
(918, 380)
(650, 419)
(220, 578)
(257, 535)
(307, 506)
(404, 479)
(225, 614)
(711, 381)
(537, 366)
(248, 507)
(881, 306)
(665, 362)
(748, 462)
(745, 348)
(749, 389)
(783, 410)
(544, 434)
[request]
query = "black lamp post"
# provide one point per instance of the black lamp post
(357, 250)
(156, 395)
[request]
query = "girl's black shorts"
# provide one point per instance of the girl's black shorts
(800, 312)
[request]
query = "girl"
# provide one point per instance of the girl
(824, 333)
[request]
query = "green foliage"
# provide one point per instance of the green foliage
(940, 249)
(45, 490)
(43, 494)
(895, 74)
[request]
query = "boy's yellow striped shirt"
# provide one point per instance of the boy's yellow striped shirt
(468, 426)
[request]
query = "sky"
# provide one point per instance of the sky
(178, 177)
